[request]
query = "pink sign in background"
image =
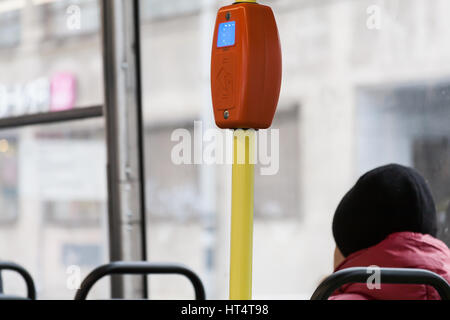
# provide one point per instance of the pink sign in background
(62, 91)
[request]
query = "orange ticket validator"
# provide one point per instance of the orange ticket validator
(245, 67)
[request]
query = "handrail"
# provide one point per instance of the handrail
(141, 268)
(388, 276)
(42, 118)
(31, 289)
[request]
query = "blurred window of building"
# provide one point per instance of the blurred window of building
(8, 180)
(163, 9)
(270, 205)
(64, 19)
(409, 125)
(172, 190)
(75, 198)
(10, 27)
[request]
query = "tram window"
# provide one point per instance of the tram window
(53, 199)
(52, 177)
(370, 89)
(369, 79)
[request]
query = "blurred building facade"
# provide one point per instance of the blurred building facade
(365, 83)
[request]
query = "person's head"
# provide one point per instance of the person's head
(386, 200)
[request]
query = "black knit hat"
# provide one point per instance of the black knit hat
(385, 200)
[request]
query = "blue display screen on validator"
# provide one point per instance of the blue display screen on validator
(227, 34)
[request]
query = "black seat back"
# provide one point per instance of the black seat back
(31, 289)
(387, 276)
(141, 268)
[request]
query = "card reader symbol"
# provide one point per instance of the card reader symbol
(225, 81)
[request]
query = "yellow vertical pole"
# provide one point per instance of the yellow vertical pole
(241, 252)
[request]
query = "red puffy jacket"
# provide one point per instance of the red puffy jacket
(398, 250)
